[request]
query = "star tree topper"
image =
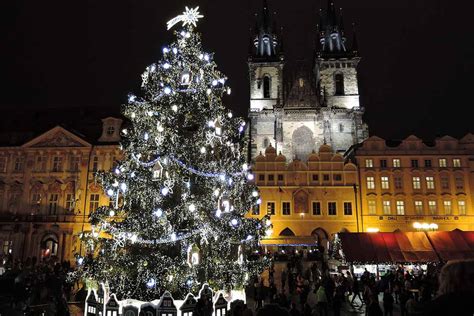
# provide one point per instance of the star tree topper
(190, 16)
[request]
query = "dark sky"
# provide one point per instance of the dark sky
(415, 73)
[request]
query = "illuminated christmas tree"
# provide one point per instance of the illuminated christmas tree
(179, 195)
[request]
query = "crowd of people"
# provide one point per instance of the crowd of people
(32, 285)
(317, 291)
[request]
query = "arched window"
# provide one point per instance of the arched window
(266, 87)
(266, 143)
(339, 81)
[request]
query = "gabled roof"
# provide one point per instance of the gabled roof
(57, 137)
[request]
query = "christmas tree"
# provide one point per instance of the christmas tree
(180, 194)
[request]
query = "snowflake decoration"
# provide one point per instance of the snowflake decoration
(189, 17)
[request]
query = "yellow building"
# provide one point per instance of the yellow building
(414, 182)
(47, 190)
(308, 201)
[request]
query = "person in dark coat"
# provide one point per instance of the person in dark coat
(387, 303)
(456, 290)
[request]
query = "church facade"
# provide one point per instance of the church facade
(318, 105)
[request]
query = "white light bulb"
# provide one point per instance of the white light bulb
(132, 98)
(229, 114)
(269, 232)
(234, 222)
(249, 237)
(208, 91)
(173, 236)
(241, 129)
(250, 176)
(174, 107)
(145, 137)
(123, 187)
(80, 260)
(192, 207)
(229, 91)
(110, 192)
(158, 212)
(115, 184)
(133, 115)
(222, 177)
(245, 167)
(160, 128)
(216, 192)
(268, 222)
(183, 33)
(259, 201)
(134, 238)
(211, 124)
(254, 193)
(166, 66)
(151, 283)
(152, 68)
(214, 82)
(167, 90)
(201, 56)
(203, 150)
(124, 131)
(218, 213)
(165, 191)
(112, 213)
(187, 35)
(165, 50)
(206, 57)
(175, 50)
(150, 113)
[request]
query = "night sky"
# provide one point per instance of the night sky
(415, 73)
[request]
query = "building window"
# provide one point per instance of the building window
(95, 164)
(370, 183)
(416, 183)
(325, 177)
(445, 183)
(70, 202)
(432, 207)
(3, 164)
(332, 209)
(459, 183)
(384, 183)
(53, 204)
(315, 177)
(256, 210)
(386, 207)
(419, 207)
(447, 207)
(271, 177)
(18, 166)
(270, 208)
(383, 163)
(261, 177)
(430, 185)
(7, 247)
(337, 177)
(442, 163)
(75, 161)
(110, 130)
(286, 208)
(266, 143)
(347, 208)
(341, 128)
(41, 162)
(400, 208)
(57, 164)
(372, 207)
(428, 163)
(266, 87)
(398, 182)
(462, 207)
(369, 163)
(35, 202)
(414, 163)
(396, 163)
(339, 82)
(316, 208)
(280, 177)
(456, 163)
(93, 202)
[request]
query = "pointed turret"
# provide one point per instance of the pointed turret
(266, 42)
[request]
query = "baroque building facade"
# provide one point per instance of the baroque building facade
(319, 105)
(47, 189)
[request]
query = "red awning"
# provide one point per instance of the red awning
(398, 247)
(453, 245)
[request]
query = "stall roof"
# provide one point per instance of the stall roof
(453, 245)
(399, 247)
(290, 241)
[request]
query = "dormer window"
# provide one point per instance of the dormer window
(110, 130)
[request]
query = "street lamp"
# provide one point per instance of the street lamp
(425, 226)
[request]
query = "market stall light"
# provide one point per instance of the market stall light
(373, 230)
(416, 225)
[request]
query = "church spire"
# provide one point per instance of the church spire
(266, 39)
